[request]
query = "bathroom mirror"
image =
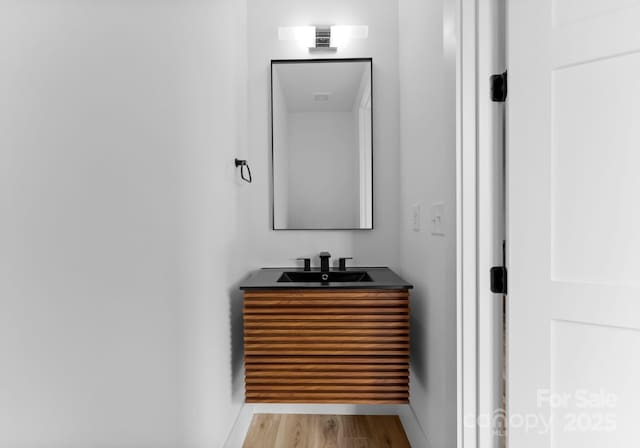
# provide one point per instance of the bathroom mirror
(321, 124)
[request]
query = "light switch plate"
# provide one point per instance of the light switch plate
(437, 218)
(415, 217)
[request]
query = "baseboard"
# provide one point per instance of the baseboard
(405, 412)
(415, 415)
(427, 442)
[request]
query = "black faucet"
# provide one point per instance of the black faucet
(342, 263)
(307, 263)
(324, 261)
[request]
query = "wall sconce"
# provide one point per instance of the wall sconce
(323, 37)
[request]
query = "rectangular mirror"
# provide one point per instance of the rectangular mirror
(321, 124)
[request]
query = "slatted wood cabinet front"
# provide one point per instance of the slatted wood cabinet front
(326, 346)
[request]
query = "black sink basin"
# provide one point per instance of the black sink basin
(324, 277)
(296, 278)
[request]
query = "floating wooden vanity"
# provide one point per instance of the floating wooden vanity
(339, 343)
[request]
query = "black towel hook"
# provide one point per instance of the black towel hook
(242, 164)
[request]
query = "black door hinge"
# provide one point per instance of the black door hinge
(499, 87)
(499, 280)
(499, 274)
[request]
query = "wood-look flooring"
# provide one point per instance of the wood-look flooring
(325, 431)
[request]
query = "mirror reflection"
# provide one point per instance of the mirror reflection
(322, 144)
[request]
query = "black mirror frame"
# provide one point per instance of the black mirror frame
(321, 60)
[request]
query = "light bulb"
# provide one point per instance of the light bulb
(342, 34)
(304, 35)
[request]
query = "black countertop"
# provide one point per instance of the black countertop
(267, 278)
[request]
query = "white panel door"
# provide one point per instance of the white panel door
(573, 231)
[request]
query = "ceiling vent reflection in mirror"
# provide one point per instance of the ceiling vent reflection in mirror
(321, 96)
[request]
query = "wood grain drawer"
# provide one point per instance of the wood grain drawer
(327, 346)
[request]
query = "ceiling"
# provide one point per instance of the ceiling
(301, 82)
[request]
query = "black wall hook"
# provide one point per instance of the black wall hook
(242, 164)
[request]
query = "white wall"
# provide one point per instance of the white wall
(119, 222)
(362, 117)
(381, 246)
(323, 165)
(281, 156)
(215, 216)
(427, 116)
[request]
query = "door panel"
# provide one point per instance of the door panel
(573, 223)
(595, 161)
(593, 362)
(599, 37)
(568, 11)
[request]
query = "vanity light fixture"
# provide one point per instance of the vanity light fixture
(323, 37)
